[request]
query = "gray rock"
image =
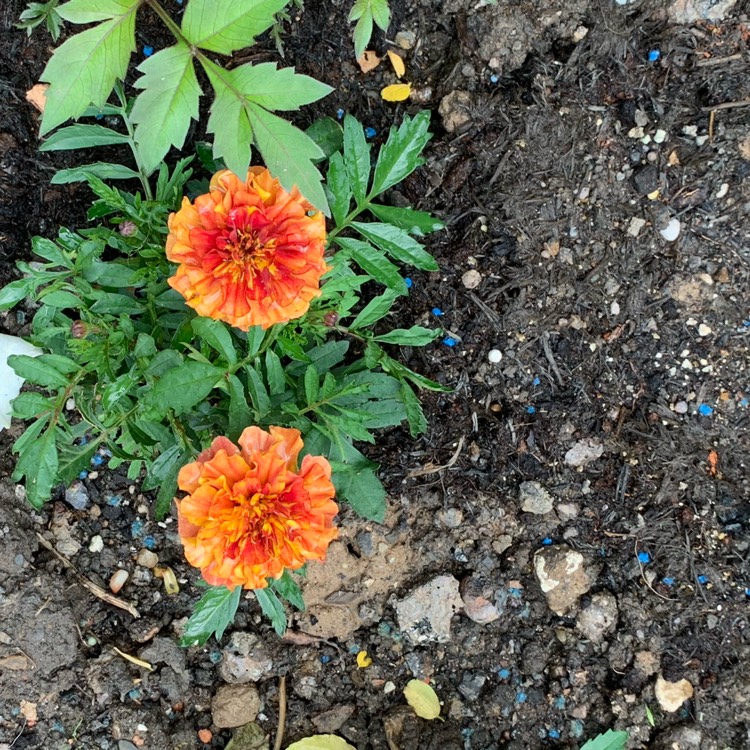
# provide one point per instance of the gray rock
(77, 496)
(455, 110)
(245, 659)
(329, 722)
(425, 615)
(534, 498)
(471, 685)
(584, 452)
(234, 705)
(599, 618)
(680, 738)
(564, 575)
(690, 11)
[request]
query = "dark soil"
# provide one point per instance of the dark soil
(612, 339)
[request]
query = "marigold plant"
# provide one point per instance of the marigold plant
(249, 253)
(251, 513)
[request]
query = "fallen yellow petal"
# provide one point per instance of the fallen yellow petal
(398, 63)
(397, 92)
(653, 196)
(363, 660)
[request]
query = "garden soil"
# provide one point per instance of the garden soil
(566, 550)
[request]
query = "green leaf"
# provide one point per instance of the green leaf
(182, 388)
(272, 608)
(324, 357)
(38, 462)
(609, 740)
(82, 136)
(216, 335)
(48, 250)
(375, 309)
(363, 29)
(275, 373)
(414, 336)
(83, 70)
(327, 134)
(374, 262)
(36, 370)
(224, 26)
(287, 588)
(339, 189)
(415, 222)
(168, 486)
(356, 157)
(115, 275)
(362, 489)
(275, 89)
(257, 391)
(398, 244)
(111, 303)
(212, 615)
(11, 294)
(400, 155)
(240, 414)
(311, 385)
(100, 169)
(73, 459)
(60, 299)
(168, 103)
(31, 405)
(289, 154)
(381, 13)
(162, 467)
(414, 413)
(321, 742)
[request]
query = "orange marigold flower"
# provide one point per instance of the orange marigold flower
(248, 252)
(251, 513)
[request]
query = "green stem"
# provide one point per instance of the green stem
(168, 21)
(131, 141)
(350, 218)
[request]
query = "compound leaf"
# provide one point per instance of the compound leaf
(356, 157)
(373, 262)
(224, 26)
(168, 103)
(182, 387)
(414, 222)
(397, 243)
(212, 614)
(272, 608)
(38, 462)
(339, 189)
(609, 740)
(83, 70)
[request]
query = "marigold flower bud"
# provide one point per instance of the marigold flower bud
(78, 329)
(331, 318)
(128, 229)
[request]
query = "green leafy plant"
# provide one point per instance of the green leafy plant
(84, 70)
(609, 740)
(36, 14)
(366, 13)
(152, 382)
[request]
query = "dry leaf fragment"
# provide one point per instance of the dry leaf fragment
(397, 62)
(37, 96)
(423, 699)
(321, 742)
(397, 92)
(134, 659)
(713, 463)
(368, 61)
(28, 710)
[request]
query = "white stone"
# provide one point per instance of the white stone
(723, 190)
(660, 136)
(704, 330)
(672, 231)
(494, 356)
(425, 614)
(671, 695)
(96, 544)
(471, 279)
(635, 226)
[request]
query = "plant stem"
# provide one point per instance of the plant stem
(131, 140)
(349, 219)
(168, 21)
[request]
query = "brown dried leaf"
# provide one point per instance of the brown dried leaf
(37, 96)
(368, 61)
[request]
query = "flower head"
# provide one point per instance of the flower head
(249, 253)
(251, 513)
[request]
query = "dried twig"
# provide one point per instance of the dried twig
(547, 346)
(282, 714)
(432, 469)
(718, 60)
(96, 590)
(727, 105)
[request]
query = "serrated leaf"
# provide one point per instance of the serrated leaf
(339, 189)
(240, 414)
(311, 385)
(414, 412)
(275, 373)
(91, 11)
(289, 154)
(414, 336)
(82, 136)
(356, 157)
(321, 742)
(400, 155)
(363, 28)
(414, 222)
(374, 310)
(423, 699)
(212, 615)
(224, 26)
(287, 588)
(38, 462)
(275, 89)
(272, 608)
(381, 13)
(374, 262)
(83, 70)
(216, 335)
(397, 243)
(182, 387)
(37, 370)
(257, 392)
(327, 134)
(609, 740)
(162, 466)
(31, 405)
(103, 170)
(168, 103)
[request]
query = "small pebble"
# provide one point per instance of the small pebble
(117, 581)
(635, 226)
(70, 404)
(494, 356)
(704, 330)
(389, 687)
(406, 39)
(660, 136)
(96, 544)
(723, 190)
(681, 407)
(471, 279)
(672, 231)
(147, 559)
